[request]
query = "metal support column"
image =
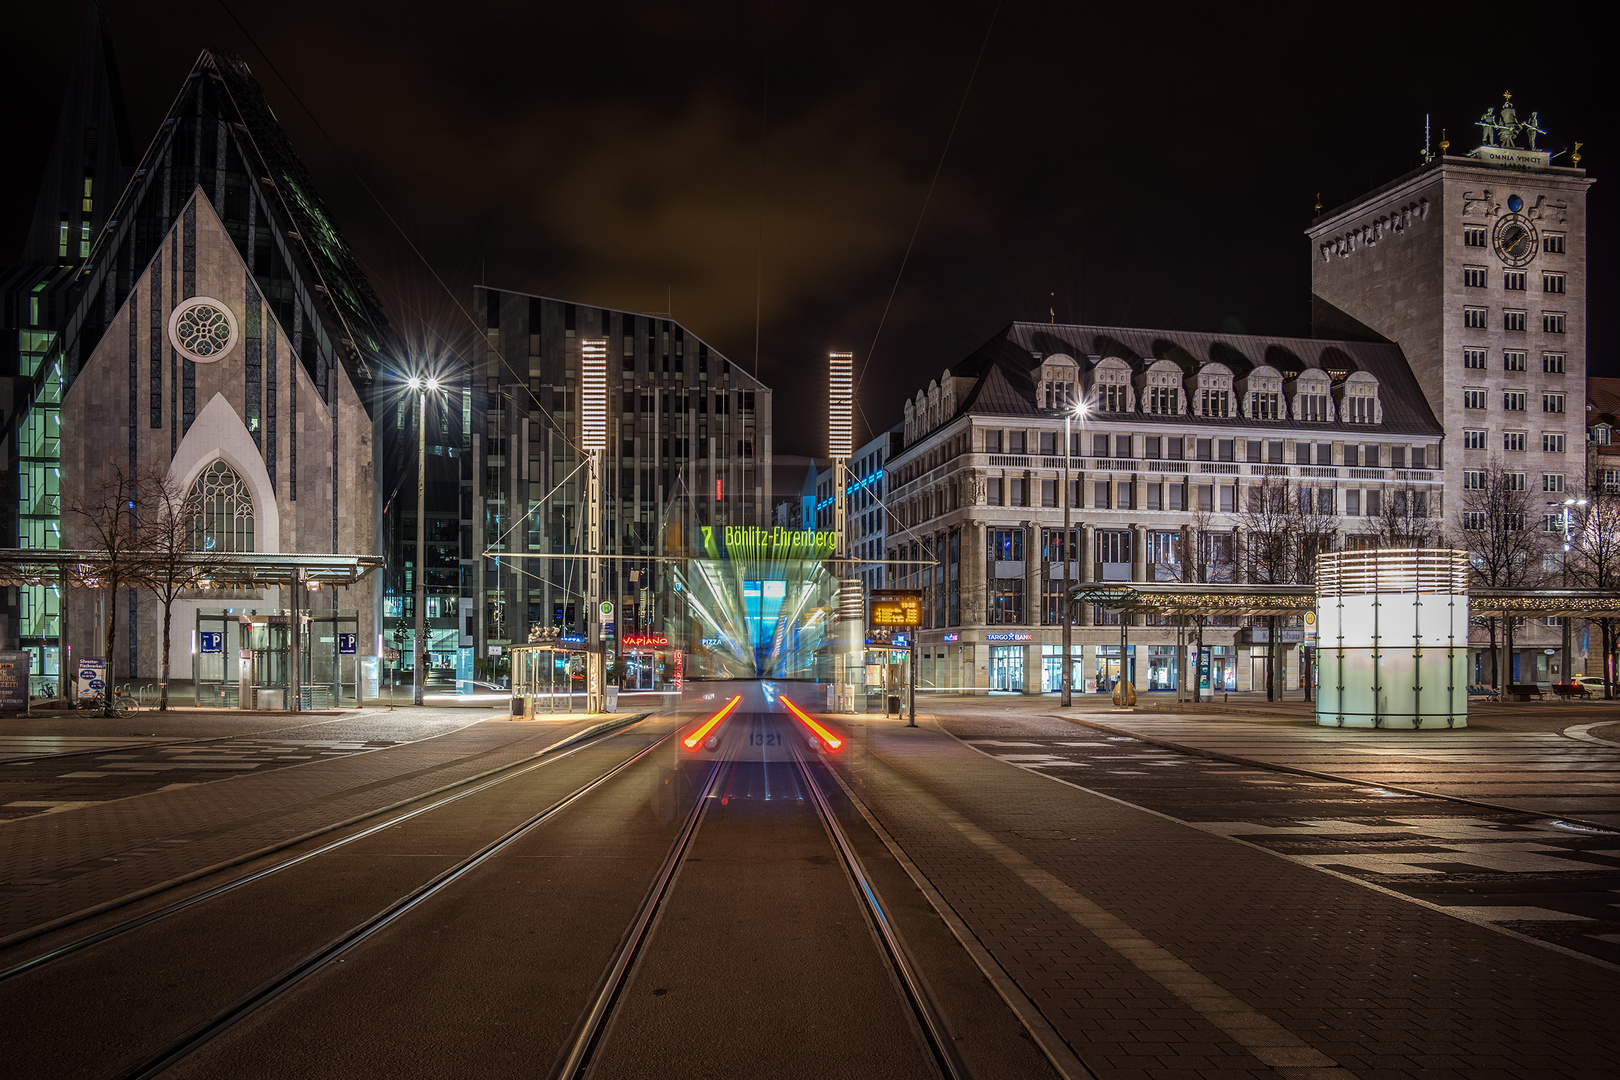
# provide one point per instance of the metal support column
(595, 699)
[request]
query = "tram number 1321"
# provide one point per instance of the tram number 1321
(764, 738)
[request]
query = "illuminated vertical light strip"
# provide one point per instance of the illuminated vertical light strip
(593, 393)
(840, 404)
(833, 742)
(698, 736)
(593, 430)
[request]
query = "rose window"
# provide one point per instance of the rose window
(202, 329)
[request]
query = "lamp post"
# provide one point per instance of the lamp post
(421, 385)
(1568, 546)
(1070, 557)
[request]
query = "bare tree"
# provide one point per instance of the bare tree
(111, 538)
(1285, 527)
(174, 562)
(1403, 520)
(1594, 555)
(1495, 523)
(1199, 558)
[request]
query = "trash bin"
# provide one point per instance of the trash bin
(893, 708)
(612, 699)
(517, 705)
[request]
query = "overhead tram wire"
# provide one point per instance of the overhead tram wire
(928, 197)
(539, 407)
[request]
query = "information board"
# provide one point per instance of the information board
(14, 669)
(895, 608)
(92, 677)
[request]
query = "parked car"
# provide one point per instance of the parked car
(1593, 683)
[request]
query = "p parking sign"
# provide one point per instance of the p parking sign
(211, 641)
(348, 644)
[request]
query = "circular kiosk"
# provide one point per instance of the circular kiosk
(1393, 638)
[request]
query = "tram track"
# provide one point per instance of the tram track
(431, 801)
(213, 1027)
(581, 1056)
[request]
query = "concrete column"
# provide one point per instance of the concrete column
(1138, 560)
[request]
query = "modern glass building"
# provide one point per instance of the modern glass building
(689, 445)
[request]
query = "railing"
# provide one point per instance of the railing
(1431, 476)
(1169, 466)
(1322, 472)
(1010, 461)
(1269, 470)
(1116, 465)
(1228, 468)
(1366, 474)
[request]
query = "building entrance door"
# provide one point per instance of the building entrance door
(1007, 668)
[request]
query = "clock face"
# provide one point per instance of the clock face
(1515, 240)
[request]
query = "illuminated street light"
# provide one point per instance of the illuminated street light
(1070, 558)
(422, 385)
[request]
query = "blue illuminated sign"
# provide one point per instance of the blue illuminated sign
(1007, 637)
(347, 644)
(211, 641)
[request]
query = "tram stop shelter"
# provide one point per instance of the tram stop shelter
(248, 666)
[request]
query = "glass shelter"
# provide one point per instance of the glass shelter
(241, 651)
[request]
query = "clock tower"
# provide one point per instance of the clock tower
(1476, 266)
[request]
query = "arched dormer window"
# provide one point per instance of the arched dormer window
(222, 511)
(1261, 393)
(1212, 391)
(1111, 386)
(1313, 396)
(1358, 400)
(947, 396)
(1160, 392)
(1057, 382)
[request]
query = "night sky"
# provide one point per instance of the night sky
(1124, 164)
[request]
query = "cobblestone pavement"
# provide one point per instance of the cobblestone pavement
(54, 773)
(55, 865)
(1549, 879)
(1158, 948)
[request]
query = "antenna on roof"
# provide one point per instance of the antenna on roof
(1051, 312)
(1428, 154)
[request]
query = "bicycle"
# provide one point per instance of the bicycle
(121, 705)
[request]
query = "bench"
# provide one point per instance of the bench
(1571, 690)
(1524, 691)
(1479, 690)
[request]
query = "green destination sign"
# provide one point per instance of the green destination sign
(753, 542)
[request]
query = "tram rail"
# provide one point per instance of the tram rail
(205, 1032)
(430, 802)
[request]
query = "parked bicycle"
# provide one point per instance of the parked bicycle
(121, 704)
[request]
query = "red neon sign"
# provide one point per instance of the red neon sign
(644, 641)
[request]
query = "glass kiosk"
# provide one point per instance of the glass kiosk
(243, 653)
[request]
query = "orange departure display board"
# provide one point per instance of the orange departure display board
(900, 608)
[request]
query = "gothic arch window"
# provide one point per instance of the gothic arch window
(222, 518)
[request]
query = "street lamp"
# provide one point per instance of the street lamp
(1069, 557)
(1568, 547)
(421, 385)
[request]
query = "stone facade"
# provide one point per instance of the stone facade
(139, 401)
(1496, 337)
(981, 486)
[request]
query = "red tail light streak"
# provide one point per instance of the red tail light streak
(710, 724)
(833, 742)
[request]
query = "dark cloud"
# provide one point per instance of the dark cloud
(1146, 165)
